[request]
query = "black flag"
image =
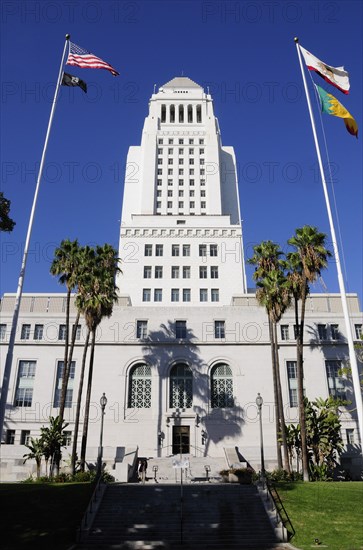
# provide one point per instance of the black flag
(70, 80)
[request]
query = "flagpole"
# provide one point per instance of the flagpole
(9, 356)
(352, 354)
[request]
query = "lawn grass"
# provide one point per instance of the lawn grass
(42, 515)
(331, 512)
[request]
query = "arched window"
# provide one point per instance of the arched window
(222, 387)
(199, 113)
(181, 113)
(163, 113)
(181, 387)
(140, 387)
(190, 113)
(172, 113)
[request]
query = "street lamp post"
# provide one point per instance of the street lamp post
(259, 403)
(103, 403)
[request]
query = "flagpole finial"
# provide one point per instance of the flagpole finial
(68, 36)
(296, 40)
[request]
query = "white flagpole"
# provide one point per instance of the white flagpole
(9, 356)
(348, 328)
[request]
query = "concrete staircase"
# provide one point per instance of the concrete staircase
(158, 516)
(193, 474)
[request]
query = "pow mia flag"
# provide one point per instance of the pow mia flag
(70, 80)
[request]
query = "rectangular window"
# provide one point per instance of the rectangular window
(170, 151)
(201, 141)
(322, 332)
(174, 272)
(146, 295)
(141, 329)
(181, 193)
(181, 141)
(350, 436)
(292, 379)
(147, 272)
(175, 295)
(170, 171)
(203, 204)
(25, 383)
(358, 329)
(191, 151)
(59, 382)
(181, 151)
(219, 329)
(67, 439)
(170, 182)
(213, 250)
(160, 141)
(191, 182)
(186, 249)
(202, 250)
(186, 294)
(202, 182)
(158, 193)
(181, 182)
(170, 161)
(191, 141)
(181, 171)
(215, 295)
(158, 295)
(191, 162)
(159, 182)
(191, 171)
(148, 250)
(186, 272)
(160, 171)
(334, 332)
(160, 161)
(284, 332)
(158, 250)
(181, 161)
(202, 193)
(160, 151)
(214, 272)
(170, 141)
(170, 204)
(158, 272)
(201, 151)
(10, 437)
(158, 204)
(25, 332)
(203, 295)
(170, 192)
(62, 332)
(2, 331)
(24, 437)
(192, 204)
(78, 329)
(191, 193)
(38, 332)
(175, 250)
(181, 204)
(180, 329)
(336, 383)
(203, 274)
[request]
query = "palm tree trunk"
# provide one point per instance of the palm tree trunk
(281, 405)
(66, 367)
(273, 359)
(87, 404)
(78, 409)
(300, 385)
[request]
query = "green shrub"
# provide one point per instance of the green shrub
(282, 475)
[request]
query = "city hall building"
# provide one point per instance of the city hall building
(187, 348)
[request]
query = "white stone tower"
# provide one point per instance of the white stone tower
(181, 236)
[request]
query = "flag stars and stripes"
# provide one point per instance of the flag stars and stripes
(79, 57)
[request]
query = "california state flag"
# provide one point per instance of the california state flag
(336, 76)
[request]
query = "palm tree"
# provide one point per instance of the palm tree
(306, 262)
(36, 447)
(273, 296)
(95, 300)
(53, 439)
(66, 264)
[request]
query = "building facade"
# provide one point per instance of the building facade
(187, 348)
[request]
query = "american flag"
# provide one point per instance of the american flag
(79, 57)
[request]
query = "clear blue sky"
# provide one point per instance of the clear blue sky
(244, 52)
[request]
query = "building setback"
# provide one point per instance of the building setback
(187, 348)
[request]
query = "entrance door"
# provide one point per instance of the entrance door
(181, 439)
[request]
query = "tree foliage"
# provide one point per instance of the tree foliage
(6, 223)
